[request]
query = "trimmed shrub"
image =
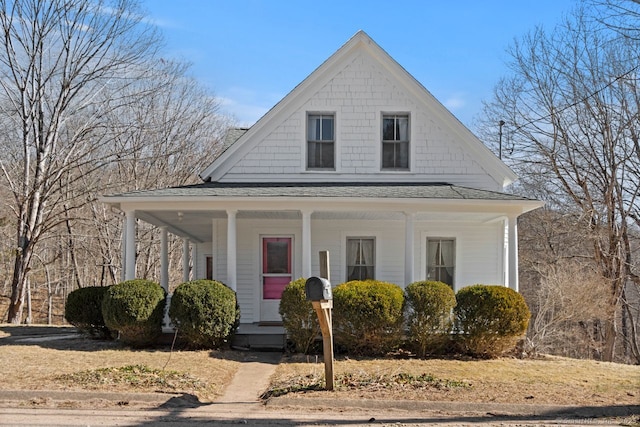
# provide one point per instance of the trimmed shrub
(490, 319)
(368, 316)
(206, 313)
(298, 316)
(429, 317)
(135, 309)
(83, 310)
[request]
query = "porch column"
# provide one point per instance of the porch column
(409, 247)
(306, 244)
(185, 260)
(130, 246)
(232, 261)
(164, 259)
(513, 251)
(123, 248)
(214, 249)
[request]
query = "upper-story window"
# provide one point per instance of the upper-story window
(395, 141)
(321, 141)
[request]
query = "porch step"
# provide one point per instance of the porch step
(252, 336)
(260, 337)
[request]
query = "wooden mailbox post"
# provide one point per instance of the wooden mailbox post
(318, 290)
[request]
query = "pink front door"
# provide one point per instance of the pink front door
(276, 274)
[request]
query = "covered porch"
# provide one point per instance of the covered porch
(190, 225)
(222, 224)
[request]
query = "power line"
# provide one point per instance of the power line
(580, 101)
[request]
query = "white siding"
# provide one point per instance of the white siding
(247, 276)
(479, 257)
(359, 95)
(332, 236)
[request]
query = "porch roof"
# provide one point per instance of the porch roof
(187, 211)
(394, 190)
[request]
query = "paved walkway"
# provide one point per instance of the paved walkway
(252, 378)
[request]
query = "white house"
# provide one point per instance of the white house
(359, 159)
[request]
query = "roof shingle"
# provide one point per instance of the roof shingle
(328, 190)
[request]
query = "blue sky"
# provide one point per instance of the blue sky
(252, 53)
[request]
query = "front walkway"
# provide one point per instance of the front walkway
(251, 379)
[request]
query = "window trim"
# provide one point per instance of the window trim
(346, 252)
(333, 141)
(395, 114)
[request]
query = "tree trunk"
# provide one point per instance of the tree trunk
(49, 304)
(29, 307)
(71, 247)
(609, 341)
(18, 289)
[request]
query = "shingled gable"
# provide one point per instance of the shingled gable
(240, 142)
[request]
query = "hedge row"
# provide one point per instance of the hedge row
(205, 312)
(374, 318)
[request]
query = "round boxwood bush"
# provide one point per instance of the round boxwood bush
(428, 307)
(135, 309)
(205, 312)
(298, 316)
(83, 309)
(490, 319)
(367, 317)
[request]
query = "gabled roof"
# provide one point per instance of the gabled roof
(359, 43)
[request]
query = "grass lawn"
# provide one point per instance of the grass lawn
(548, 380)
(77, 364)
(85, 364)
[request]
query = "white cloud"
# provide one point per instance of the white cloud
(455, 102)
(246, 105)
(245, 113)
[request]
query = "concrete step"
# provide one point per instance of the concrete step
(269, 342)
(260, 336)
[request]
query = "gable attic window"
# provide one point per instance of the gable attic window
(320, 141)
(395, 141)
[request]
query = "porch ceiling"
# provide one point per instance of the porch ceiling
(197, 225)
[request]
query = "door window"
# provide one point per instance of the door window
(276, 266)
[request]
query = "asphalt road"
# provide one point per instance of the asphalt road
(229, 415)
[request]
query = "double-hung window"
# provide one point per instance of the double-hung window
(321, 141)
(360, 258)
(395, 141)
(441, 259)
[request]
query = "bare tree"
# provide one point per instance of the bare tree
(571, 107)
(173, 135)
(561, 284)
(57, 57)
